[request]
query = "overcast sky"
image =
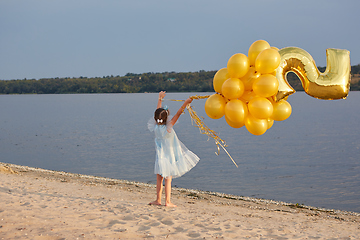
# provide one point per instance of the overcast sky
(89, 38)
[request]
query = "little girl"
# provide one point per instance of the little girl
(173, 159)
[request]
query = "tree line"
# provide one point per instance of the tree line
(200, 81)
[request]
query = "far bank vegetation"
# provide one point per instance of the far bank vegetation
(200, 81)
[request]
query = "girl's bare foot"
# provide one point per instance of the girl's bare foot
(170, 204)
(155, 203)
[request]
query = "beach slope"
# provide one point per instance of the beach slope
(42, 204)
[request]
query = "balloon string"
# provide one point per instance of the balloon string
(205, 129)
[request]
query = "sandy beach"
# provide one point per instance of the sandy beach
(43, 204)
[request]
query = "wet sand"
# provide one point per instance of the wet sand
(44, 204)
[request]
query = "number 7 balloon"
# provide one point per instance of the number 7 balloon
(334, 83)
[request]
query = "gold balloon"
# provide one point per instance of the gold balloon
(266, 85)
(255, 125)
(274, 48)
(260, 107)
(219, 78)
(236, 111)
(247, 96)
(215, 106)
(270, 123)
(267, 61)
(255, 48)
(234, 124)
(249, 78)
(238, 65)
(232, 88)
(282, 110)
(334, 83)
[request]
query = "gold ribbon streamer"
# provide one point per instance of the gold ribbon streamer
(205, 129)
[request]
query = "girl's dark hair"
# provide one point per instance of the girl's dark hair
(160, 116)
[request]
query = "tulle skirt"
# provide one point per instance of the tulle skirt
(173, 158)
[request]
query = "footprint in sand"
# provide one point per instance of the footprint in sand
(154, 224)
(193, 234)
(167, 221)
(113, 222)
(129, 218)
(144, 228)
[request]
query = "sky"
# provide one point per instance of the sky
(93, 38)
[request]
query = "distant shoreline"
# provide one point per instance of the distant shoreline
(201, 81)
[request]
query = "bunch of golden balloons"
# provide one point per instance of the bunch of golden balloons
(246, 90)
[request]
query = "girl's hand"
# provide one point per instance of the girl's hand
(188, 101)
(162, 94)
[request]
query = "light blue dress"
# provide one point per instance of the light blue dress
(172, 156)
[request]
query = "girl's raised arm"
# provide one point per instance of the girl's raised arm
(179, 112)
(162, 94)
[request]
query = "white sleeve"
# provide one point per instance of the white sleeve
(151, 124)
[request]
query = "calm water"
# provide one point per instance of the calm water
(311, 158)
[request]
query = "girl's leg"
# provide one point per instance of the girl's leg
(168, 192)
(159, 187)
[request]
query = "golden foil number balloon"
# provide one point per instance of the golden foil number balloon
(334, 83)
